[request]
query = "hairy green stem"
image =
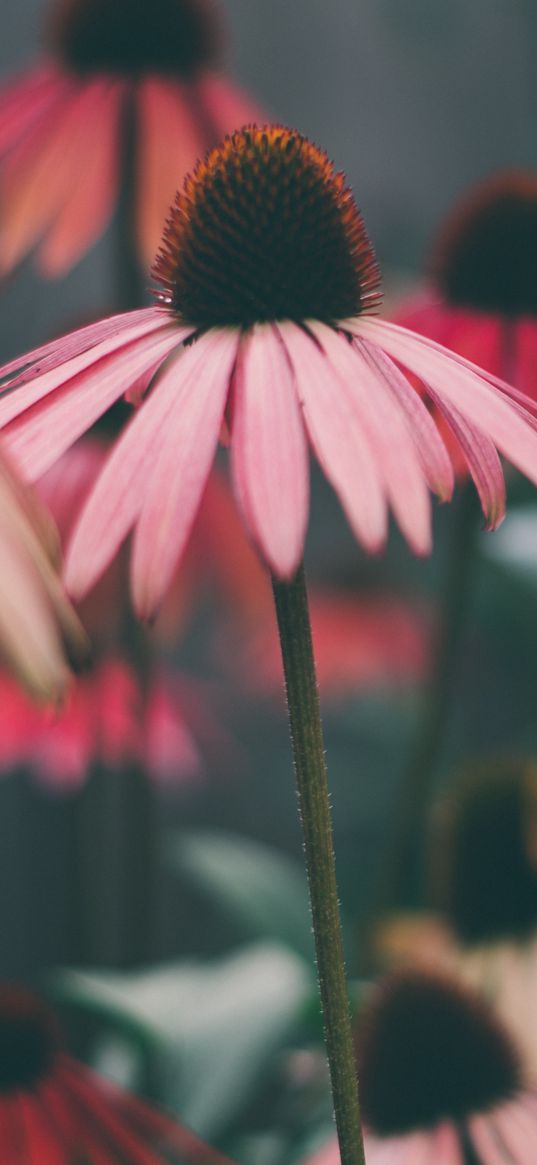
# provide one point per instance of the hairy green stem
(314, 806)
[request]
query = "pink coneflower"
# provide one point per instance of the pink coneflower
(155, 61)
(482, 297)
(54, 1111)
(264, 328)
(165, 727)
(359, 641)
(484, 871)
(39, 631)
(441, 1083)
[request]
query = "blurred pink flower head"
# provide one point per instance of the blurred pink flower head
(441, 1082)
(263, 334)
(157, 60)
(54, 1111)
(167, 727)
(40, 635)
(482, 298)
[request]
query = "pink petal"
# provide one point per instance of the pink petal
(37, 180)
(92, 190)
(142, 324)
(42, 433)
(485, 1142)
(33, 101)
(482, 460)
(269, 451)
(227, 106)
(169, 144)
(437, 466)
(338, 437)
(50, 355)
(40, 1140)
(395, 453)
(196, 387)
(482, 399)
(96, 1112)
(518, 1131)
(446, 1147)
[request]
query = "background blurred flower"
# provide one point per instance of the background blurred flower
(360, 642)
(484, 876)
(234, 294)
(440, 1080)
(156, 62)
(39, 631)
(52, 1109)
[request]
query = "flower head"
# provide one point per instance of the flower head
(39, 632)
(153, 62)
(482, 299)
(440, 1080)
(226, 351)
(53, 1109)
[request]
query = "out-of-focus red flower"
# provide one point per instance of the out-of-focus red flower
(62, 124)
(55, 1111)
(359, 642)
(164, 725)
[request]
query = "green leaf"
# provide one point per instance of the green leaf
(219, 1026)
(262, 891)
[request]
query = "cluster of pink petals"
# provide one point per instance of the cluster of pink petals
(72, 1116)
(359, 642)
(38, 628)
(60, 151)
(506, 1135)
(108, 720)
(279, 387)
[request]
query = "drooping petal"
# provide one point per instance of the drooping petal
(482, 399)
(12, 404)
(518, 1132)
(196, 386)
(39, 437)
(431, 449)
(269, 451)
(482, 460)
(169, 144)
(32, 101)
(91, 191)
(398, 463)
(42, 1143)
(338, 437)
(37, 179)
(485, 1141)
(49, 356)
(446, 1146)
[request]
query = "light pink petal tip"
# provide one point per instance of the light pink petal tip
(269, 452)
(335, 427)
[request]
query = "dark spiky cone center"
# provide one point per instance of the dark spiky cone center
(431, 1051)
(486, 871)
(29, 1040)
(133, 37)
(265, 230)
(486, 258)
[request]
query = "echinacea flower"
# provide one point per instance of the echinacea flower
(63, 123)
(55, 1111)
(441, 1082)
(165, 726)
(485, 878)
(39, 631)
(481, 299)
(263, 333)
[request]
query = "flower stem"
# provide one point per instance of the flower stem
(314, 807)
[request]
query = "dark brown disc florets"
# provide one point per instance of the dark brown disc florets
(265, 230)
(429, 1050)
(486, 257)
(133, 37)
(29, 1040)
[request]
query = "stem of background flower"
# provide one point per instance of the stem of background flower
(131, 283)
(401, 876)
(314, 807)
